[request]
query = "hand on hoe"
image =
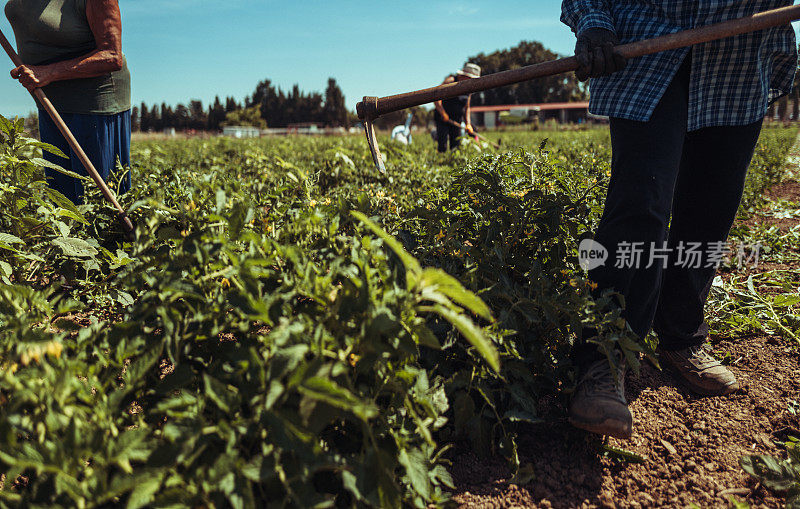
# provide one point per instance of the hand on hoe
(32, 76)
(596, 55)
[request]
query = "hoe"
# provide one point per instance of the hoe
(373, 107)
(40, 96)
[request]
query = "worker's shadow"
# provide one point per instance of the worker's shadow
(652, 378)
(559, 463)
(566, 465)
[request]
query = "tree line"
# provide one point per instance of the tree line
(268, 106)
(562, 88)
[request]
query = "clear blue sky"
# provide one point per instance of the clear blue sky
(195, 49)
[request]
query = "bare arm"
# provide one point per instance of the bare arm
(105, 22)
(438, 104)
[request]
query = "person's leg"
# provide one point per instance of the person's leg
(645, 163)
(96, 136)
(115, 146)
(455, 132)
(707, 196)
(93, 135)
(442, 133)
(123, 152)
(49, 133)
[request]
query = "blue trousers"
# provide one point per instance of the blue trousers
(104, 138)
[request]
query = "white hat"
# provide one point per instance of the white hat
(470, 70)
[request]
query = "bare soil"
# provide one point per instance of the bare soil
(691, 445)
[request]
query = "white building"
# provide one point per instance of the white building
(238, 131)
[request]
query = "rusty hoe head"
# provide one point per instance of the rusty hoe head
(368, 111)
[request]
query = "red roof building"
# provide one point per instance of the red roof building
(492, 116)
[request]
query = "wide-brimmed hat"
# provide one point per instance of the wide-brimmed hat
(470, 71)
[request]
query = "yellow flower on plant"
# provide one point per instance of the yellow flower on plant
(225, 283)
(54, 349)
(33, 355)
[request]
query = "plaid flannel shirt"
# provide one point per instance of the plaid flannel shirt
(733, 80)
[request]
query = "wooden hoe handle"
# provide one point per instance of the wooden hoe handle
(40, 96)
(373, 107)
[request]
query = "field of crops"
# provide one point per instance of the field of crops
(292, 328)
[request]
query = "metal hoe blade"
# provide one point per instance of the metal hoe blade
(367, 112)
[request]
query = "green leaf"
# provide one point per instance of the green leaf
(144, 491)
(68, 213)
(62, 201)
(786, 300)
(735, 504)
(452, 288)
(774, 474)
(624, 454)
(46, 147)
(425, 337)
(350, 483)
(60, 169)
(78, 248)
(522, 416)
(7, 238)
(473, 334)
(409, 262)
(5, 126)
(236, 220)
(143, 364)
(223, 395)
(416, 465)
(327, 391)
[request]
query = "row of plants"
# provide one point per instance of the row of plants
(265, 341)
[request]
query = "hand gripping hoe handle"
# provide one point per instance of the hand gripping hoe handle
(373, 107)
(40, 96)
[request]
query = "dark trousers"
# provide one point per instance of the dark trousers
(659, 171)
(444, 132)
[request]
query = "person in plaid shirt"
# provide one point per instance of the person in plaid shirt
(684, 125)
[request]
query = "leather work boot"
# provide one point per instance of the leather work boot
(701, 372)
(598, 404)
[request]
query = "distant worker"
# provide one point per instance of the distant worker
(72, 50)
(402, 133)
(451, 113)
(684, 126)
